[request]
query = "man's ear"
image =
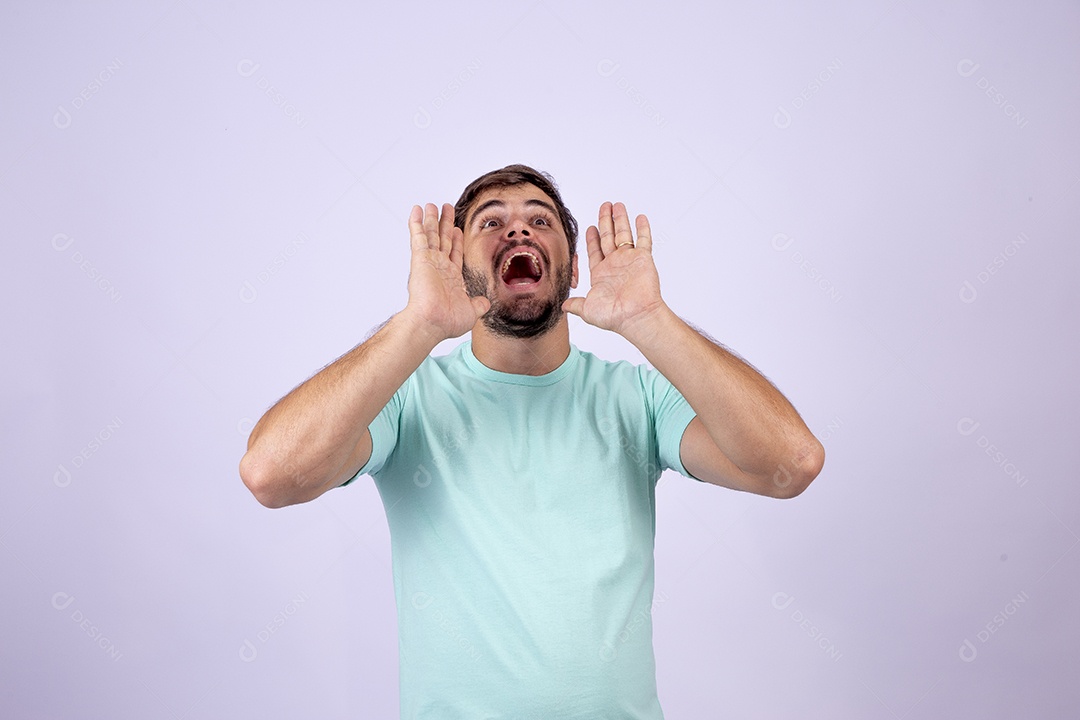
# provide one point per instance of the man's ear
(573, 271)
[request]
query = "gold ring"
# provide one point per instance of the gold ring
(630, 243)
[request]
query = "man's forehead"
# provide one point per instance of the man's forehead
(509, 194)
(512, 190)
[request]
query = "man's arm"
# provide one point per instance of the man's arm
(746, 435)
(316, 437)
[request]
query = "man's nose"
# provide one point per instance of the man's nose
(517, 228)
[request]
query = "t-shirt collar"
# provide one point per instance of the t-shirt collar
(483, 371)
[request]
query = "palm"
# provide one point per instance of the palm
(437, 291)
(436, 285)
(625, 284)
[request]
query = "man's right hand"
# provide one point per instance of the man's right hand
(317, 437)
(437, 293)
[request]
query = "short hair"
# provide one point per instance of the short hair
(510, 176)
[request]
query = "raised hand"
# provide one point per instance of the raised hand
(625, 287)
(436, 288)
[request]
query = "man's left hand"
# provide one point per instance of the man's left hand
(625, 287)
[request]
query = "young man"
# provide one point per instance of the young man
(518, 473)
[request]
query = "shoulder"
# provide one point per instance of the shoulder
(589, 362)
(596, 369)
(433, 378)
(616, 368)
(622, 376)
(447, 365)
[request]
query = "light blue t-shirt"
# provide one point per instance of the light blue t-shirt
(522, 517)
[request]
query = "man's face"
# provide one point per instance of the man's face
(516, 255)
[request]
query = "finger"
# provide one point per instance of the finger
(592, 246)
(457, 245)
(574, 306)
(607, 232)
(644, 233)
(623, 236)
(480, 305)
(431, 226)
(418, 240)
(446, 228)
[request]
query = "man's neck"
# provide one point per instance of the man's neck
(522, 356)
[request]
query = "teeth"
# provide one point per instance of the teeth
(532, 258)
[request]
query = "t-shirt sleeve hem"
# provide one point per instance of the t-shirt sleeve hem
(677, 427)
(384, 430)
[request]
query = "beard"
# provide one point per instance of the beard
(521, 317)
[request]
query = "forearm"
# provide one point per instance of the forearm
(309, 440)
(748, 419)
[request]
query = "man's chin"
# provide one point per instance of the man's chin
(520, 313)
(525, 318)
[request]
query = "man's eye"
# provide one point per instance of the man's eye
(488, 222)
(542, 220)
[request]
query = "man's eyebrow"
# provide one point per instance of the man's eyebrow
(541, 203)
(484, 206)
(495, 202)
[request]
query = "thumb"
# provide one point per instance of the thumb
(480, 305)
(574, 305)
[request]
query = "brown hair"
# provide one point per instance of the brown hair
(510, 176)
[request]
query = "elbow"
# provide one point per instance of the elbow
(262, 484)
(792, 478)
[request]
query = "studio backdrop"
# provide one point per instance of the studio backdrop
(875, 204)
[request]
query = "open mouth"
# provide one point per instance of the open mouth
(521, 269)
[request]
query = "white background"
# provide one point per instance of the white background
(875, 203)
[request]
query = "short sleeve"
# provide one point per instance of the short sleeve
(384, 432)
(670, 413)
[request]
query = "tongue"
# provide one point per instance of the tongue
(520, 272)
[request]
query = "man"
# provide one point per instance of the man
(518, 473)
